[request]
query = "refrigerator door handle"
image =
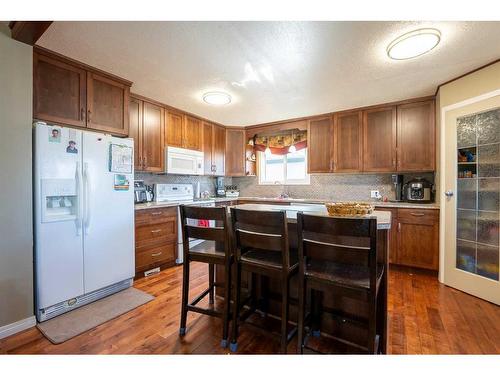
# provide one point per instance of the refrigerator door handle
(78, 220)
(86, 193)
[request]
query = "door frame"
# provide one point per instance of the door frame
(442, 177)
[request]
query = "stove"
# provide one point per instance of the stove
(182, 194)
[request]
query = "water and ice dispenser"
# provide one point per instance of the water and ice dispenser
(59, 199)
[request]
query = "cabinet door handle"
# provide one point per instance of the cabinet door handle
(399, 227)
(157, 254)
(145, 162)
(89, 115)
(156, 231)
(156, 213)
(82, 114)
(416, 214)
(393, 162)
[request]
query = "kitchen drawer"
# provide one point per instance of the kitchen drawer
(154, 257)
(155, 215)
(418, 216)
(166, 230)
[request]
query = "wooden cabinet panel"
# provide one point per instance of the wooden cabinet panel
(416, 137)
(152, 140)
(135, 130)
(320, 145)
(208, 145)
(155, 215)
(192, 134)
(59, 91)
(219, 150)
(348, 149)
(235, 152)
(393, 234)
(155, 257)
(155, 237)
(107, 104)
(418, 245)
(174, 129)
(379, 139)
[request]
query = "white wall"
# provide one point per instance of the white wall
(16, 235)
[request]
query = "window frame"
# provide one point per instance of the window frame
(260, 161)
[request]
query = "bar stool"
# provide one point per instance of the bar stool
(262, 248)
(339, 255)
(210, 255)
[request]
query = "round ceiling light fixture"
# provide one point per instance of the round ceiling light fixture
(413, 44)
(216, 98)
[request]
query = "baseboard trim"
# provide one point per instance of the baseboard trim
(16, 327)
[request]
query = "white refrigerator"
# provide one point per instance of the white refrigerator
(84, 217)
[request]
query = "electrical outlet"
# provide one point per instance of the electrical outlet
(374, 194)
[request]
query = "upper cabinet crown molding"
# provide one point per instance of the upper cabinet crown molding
(28, 31)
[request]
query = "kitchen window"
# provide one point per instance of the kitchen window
(288, 169)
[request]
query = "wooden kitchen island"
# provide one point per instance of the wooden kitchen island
(343, 324)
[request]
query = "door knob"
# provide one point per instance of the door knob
(448, 193)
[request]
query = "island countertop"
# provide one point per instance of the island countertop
(383, 217)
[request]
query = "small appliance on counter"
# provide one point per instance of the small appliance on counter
(220, 189)
(397, 181)
(418, 190)
(142, 193)
(232, 191)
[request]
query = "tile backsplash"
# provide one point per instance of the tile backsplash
(334, 187)
(206, 182)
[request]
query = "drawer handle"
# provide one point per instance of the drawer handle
(157, 254)
(156, 231)
(416, 214)
(156, 213)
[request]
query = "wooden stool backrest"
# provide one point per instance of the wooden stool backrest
(265, 230)
(343, 240)
(219, 233)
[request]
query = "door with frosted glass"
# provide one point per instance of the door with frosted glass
(472, 256)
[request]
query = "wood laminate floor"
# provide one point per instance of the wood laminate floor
(424, 317)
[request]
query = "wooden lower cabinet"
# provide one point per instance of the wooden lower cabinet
(155, 238)
(414, 237)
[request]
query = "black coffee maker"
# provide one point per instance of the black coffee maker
(220, 187)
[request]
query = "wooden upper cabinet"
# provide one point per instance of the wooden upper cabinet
(192, 134)
(152, 140)
(235, 152)
(70, 93)
(219, 150)
(379, 139)
(416, 137)
(320, 145)
(348, 146)
(135, 130)
(107, 104)
(175, 123)
(59, 91)
(208, 145)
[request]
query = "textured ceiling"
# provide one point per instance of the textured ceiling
(273, 70)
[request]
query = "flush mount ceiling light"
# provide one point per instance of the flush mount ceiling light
(217, 98)
(413, 44)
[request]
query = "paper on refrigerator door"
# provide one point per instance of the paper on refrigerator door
(120, 158)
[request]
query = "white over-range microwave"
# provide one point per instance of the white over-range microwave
(183, 161)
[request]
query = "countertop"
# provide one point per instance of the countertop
(293, 201)
(383, 217)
